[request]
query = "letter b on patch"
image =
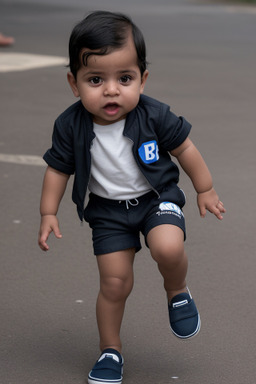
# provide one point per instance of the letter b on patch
(149, 152)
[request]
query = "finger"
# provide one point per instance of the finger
(43, 245)
(42, 241)
(57, 232)
(221, 207)
(217, 212)
(202, 211)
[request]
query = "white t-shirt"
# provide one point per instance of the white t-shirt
(114, 172)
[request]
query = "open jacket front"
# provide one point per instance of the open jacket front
(153, 129)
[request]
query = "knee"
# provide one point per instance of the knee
(116, 289)
(169, 253)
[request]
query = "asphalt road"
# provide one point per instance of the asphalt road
(202, 62)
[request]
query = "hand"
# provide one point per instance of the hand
(49, 223)
(210, 201)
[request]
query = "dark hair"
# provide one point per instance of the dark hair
(104, 31)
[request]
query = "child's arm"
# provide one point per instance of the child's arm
(193, 164)
(54, 186)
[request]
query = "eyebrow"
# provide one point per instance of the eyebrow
(99, 73)
(128, 71)
(94, 73)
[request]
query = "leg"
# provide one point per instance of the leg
(166, 243)
(116, 282)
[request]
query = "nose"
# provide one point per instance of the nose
(111, 89)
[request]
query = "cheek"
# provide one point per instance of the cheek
(90, 101)
(89, 97)
(134, 97)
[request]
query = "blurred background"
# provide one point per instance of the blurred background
(202, 59)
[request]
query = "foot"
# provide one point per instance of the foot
(108, 369)
(184, 316)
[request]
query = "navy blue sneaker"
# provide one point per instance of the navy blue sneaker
(184, 316)
(108, 369)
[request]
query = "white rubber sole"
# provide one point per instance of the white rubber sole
(92, 381)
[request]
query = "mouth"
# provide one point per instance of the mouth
(111, 108)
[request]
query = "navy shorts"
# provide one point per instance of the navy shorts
(116, 225)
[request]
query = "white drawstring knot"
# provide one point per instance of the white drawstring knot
(127, 202)
(132, 202)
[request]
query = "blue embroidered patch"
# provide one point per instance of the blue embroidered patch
(149, 152)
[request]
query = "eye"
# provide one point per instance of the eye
(95, 80)
(125, 79)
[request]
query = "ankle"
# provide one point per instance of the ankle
(172, 293)
(117, 348)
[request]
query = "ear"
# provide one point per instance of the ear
(73, 84)
(143, 80)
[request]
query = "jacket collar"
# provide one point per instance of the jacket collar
(130, 126)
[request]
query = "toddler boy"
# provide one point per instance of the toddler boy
(119, 144)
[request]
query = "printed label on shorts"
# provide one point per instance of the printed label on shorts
(168, 208)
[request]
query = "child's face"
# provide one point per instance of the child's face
(110, 85)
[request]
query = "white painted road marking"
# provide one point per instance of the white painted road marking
(22, 159)
(13, 61)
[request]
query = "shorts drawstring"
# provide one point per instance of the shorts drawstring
(127, 202)
(133, 203)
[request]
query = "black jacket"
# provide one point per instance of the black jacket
(151, 126)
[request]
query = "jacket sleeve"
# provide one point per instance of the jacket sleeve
(172, 130)
(61, 155)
